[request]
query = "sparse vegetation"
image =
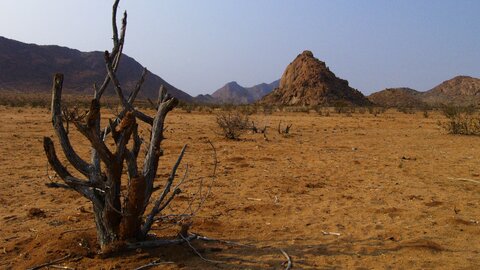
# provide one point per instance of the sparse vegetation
(285, 131)
(406, 110)
(233, 124)
(461, 120)
(255, 129)
(425, 113)
(376, 110)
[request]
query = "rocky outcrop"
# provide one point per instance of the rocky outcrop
(308, 81)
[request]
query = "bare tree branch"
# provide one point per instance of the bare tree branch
(114, 23)
(116, 83)
(80, 186)
(157, 206)
(77, 162)
(160, 242)
(138, 86)
(89, 131)
(154, 152)
(289, 260)
(117, 49)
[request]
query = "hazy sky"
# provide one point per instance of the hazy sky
(200, 45)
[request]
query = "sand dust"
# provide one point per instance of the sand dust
(340, 192)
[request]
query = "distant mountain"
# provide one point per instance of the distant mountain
(260, 90)
(30, 68)
(398, 97)
(204, 99)
(308, 81)
(460, 90)
(233, 93)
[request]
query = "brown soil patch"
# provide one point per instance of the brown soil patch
(336, 193)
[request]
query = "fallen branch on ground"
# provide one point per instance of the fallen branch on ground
(289, 260)
(77, 230)
(464, 179)
(198, 253)
(50, 263)
(154, 263)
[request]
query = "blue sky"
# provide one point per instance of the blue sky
(200, 45)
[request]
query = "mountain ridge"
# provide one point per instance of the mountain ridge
(460, 90)
(233, 93)
(28, 67)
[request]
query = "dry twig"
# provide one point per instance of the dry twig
(50, 263)
(154, 263)
(289, 260)
(198, 253)
(77, 230)
(464, 179)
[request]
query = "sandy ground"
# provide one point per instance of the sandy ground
(340, 192)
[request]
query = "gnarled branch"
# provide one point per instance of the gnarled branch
(77, 162)
(82, 187)
(154, 151)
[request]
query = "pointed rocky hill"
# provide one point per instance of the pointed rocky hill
(233, 93)
(308, 81)
(30, 68)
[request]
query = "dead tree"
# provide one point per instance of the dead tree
(284, 131)
(255, 129)
(121, 219)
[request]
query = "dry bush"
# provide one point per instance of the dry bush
(233, 124)
(187, 107)
(284, 131)
(461, 120)
(205, 108)
(267, 109)
(376, 110)
(247, 109)
(407, 110)
(425, 113)
(303, 109)
(119, 178)
(37, 100)
(340, 107)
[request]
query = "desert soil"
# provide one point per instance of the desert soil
(361, 192)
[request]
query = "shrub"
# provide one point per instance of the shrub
(233, 124)
(340, 108)
(461, 120)
(284, 131)
(376, 110)
(425, 114)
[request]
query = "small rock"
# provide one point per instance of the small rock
(36, 212)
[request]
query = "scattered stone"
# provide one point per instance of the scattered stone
(36, 213)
